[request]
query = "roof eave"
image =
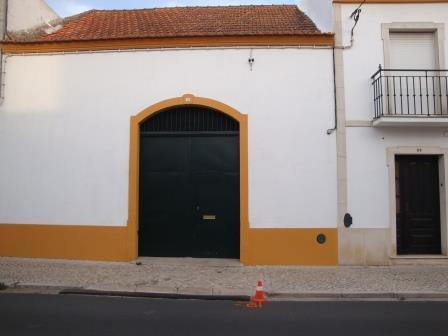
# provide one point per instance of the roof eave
(321, 39)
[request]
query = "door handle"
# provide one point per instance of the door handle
(209, 217)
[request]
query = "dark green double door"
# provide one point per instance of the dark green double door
(189, 195)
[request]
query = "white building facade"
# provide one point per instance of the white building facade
(266, 145)
(392, 140)
(71, 144)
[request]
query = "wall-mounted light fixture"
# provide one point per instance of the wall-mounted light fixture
(348, 220)
(251, 60)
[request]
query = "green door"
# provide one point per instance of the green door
(189, 185)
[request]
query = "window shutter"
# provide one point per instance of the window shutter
(412, 51)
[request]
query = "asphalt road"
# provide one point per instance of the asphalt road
(29, 314)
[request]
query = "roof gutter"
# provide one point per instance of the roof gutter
(16, 47)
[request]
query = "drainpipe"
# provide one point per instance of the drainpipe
(331, 130)
(3, 31)
(355, 16)
(3, 18)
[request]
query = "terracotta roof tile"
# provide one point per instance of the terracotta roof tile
(184, 22)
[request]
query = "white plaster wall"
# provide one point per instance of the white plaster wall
(64, 130)
(27, 14)
(361, 61)
(368, 184)
(368, 175)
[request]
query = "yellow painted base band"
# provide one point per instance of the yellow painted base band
(258, 247)
(65, 242)
(289, 247)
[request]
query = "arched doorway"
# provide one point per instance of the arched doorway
(189, 184)
(188, 179)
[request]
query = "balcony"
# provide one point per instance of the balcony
(410, 97)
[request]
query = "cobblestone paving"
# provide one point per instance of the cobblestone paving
(190, 276)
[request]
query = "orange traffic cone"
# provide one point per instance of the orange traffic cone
(259, 294)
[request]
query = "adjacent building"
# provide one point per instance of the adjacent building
(392, 130)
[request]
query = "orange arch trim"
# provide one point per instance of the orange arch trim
(185, 100)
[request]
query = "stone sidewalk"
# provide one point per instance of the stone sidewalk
(225, 277)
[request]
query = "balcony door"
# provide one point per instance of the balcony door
(412, 50)
(415, 92)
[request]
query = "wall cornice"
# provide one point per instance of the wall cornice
(169, 42)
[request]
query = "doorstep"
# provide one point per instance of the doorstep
(417, 259)
(187, 261)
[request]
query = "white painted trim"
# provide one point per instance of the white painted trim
(410, 121)
(341, 141)
(420, 256)
(443, 191)
(358, 123)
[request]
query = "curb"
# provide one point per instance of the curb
(174, 296)
(272, 296)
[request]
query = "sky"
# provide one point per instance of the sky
(71, 7)
(318, 10)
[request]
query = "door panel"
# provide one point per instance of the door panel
(165, 154)
(165, 197)
(215, 153)
(418, 215)
(215, 168)
(217, 235)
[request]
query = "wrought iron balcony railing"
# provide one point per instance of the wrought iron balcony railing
(410, 93)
